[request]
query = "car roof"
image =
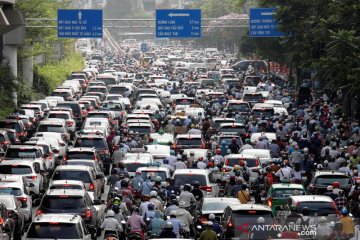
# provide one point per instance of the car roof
(329, 172)
(250, 207)
(82, 149)
(66, 192)
(311, 198)
(70, 182)
(287, 185)
(192, 171)
(62, 218)
(17, 162)
(189, 136)
(153, 168)
(73, 168)
(222, 199)
(241, 156)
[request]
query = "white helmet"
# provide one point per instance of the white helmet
(153, 194)
(211, 216)
(260, 220)
(110, 213)
(306, 150)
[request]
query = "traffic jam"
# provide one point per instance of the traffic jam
(178, 143)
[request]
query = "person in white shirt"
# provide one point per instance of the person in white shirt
(283, 173)
(201, 164)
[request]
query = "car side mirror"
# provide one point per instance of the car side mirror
(99, 176)
(98, 202)
(31, 185)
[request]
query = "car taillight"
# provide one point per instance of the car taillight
(5, 142)
(22, 199)
(269, 202)
(83, 112)
(203, 219)
(70, 124)
(257, 163)
(38, 212)
(91, 109)
(174, 146)
(206, 188)
(91, 187)
(86, 214)
(32, 177)
(203, 146)
(230, 224)
(225, 170)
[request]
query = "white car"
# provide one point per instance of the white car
(203, 176)
(67, 116)
(159, 152)
(133, 161)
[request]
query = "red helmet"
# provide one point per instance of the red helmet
(210, 164)
(218, 151)
(201, 158)
(242, 163)
(336, 184)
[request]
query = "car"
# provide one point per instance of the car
(70, 201)
(236, 216)
(92, 181)
(234, 128)
(280, 192)
(151, 172)
(54, 125)
(12, 214)
(75, 106)
(255, 136)
(262, 154)
(318, 205)
(133, 161)
(186, 141)
(238, 106)
(322, 179)
(162, 138)
(67, 116)
(90, 163)
(82, 153)
(18, 186)
(29, 169)
(203, 176)
(159, 152)
(11, 133)
(17, 125)
(208, 206)
(48, 154)
(253, 98)
(60, 226)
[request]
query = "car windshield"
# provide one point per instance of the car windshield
(83, 176)
(236, 161)
(98, 143)
(184, 101)
(189, 141)
(132, 167)
(239, 107)
(252, 81)
(66, 186)
(153, 174)
(318, 208)
(141, 130)
(217, 124)
(113, 106)
(98, 115)
(107, 81)
(327, 180)
(182, 179)
(11, 125)
(10, 191)
(253, 97)
(81, 163)
(22, 153)
(263, 112)
(285, 193)
(79, 155)
(53, 230)
(51, 128)
(15, 169)
(248, 218)
(59, 115)
(97, 89)
(233, 129)
(118, 90)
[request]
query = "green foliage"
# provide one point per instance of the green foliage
(49, 76)
(216, 8)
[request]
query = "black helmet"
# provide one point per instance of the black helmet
(116, 208)
(305, 211)
(174, 202)
(151, 207)
(124, 184)
(196, 184)
(187, 187)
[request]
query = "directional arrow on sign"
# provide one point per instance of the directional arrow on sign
(80, 15)
(179, 15)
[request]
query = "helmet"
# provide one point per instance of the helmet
(158, 179)
(242, 163)
(336, 184)
(173, 213)
(305, 211)
(209, 224)
(260, 220)
(236, 167)
(306, 150)
(168, 225)
(172, 152)
(323, 219)
(161, 132)
(174, 202)
(344, 211)
(146, 197)
(192, 126)
(330, 188)
(153, 194)
(110, 213)
(201, 159)
(165, 161)
(151, 207)
(218, 151)
(211, 216)
(187, 187)
(211, 165)
(196, 184)
(247, 141)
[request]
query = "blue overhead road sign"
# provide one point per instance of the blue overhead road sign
(263, 23)
(80, 23)
(178, 23)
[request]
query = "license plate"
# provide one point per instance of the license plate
(263, 199)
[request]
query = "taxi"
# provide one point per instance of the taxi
(280, 192)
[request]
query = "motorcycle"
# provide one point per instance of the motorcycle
(111, 234)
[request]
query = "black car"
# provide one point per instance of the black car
(322, 179)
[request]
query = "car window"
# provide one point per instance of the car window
(327, 180)
(217, 206)
(83, 176)
(153, 174)
(253, 97)
(233, 129)
(22, 153)
(59, 115)
(79, 155)
(132, 167)
(50, 128)
(182, 179)
(53, 231)
(98, 143)
(63, 202)
(318, 208)
(189, 141)
(10, 191)
(285, 193)
(141, 130)
(15, 169)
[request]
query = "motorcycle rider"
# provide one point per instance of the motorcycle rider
(208, 233)
(168, 231)
(156, 224)
(196, 191)
(135, 222)
(186, 196)
(216, 225)
(157, 203)
(177, 226)
(111, 224)
(185, 218)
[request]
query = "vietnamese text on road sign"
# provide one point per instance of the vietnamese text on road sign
(263, 23)
(80, 23)
(178, 23)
